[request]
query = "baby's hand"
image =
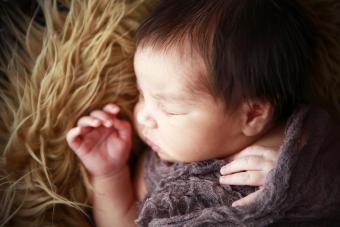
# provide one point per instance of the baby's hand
(249, 167)
(101, 141)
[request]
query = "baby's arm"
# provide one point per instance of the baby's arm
(103, 144)
(114, 202)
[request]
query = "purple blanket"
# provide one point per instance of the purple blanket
(303, 190)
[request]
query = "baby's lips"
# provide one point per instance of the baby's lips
(152, 145)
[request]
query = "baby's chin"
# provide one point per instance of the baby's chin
(166, 159)
(163, 156)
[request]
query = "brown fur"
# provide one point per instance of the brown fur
(79, 61)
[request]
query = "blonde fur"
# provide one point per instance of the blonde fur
(79, 61)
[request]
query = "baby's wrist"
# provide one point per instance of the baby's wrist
(116, 175)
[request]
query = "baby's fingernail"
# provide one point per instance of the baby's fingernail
(114, 108)
(96, 123)
(221, 180)
(223, 170)
(108, 124)
(234, 204)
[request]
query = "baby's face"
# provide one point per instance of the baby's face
(179, 123)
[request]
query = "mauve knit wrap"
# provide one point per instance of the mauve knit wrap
(303, 189)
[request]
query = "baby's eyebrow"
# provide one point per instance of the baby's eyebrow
(173, 98)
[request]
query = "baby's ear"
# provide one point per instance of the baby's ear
(257, 117)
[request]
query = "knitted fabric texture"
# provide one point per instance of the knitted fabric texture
(303, 189)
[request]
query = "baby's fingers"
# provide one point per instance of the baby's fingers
(248, 163)
(255, 150)
(88, 121)
(123, 128)
(74, 137)
(246, 200)
(112, 108)
(251, 178)
(106, 119)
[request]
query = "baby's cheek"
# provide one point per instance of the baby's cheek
(137, 126)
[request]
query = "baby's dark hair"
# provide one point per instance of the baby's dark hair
(252, 49)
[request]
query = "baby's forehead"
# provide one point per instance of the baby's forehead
(186, 60)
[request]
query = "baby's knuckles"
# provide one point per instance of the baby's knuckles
(109, 155)
(100, 163)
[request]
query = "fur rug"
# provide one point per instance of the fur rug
(58, 63)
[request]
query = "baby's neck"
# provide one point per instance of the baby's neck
(273, 138)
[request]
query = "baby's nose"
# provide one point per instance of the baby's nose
(144, 116)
